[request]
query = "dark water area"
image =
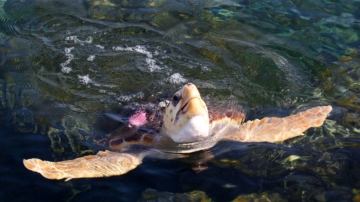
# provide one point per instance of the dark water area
(66, 65)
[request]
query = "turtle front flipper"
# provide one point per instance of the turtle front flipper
(103, 164)
(274, 129)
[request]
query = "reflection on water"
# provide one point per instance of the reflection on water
(64, 65)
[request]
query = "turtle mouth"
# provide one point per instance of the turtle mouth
(183, 110)
(194, 106)
(185, 107)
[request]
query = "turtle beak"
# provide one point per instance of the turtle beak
(194, 106)
(192, 103)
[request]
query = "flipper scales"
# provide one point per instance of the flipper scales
(274, 129)
(103, 164)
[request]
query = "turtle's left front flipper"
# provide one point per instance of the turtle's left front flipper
(274, 129)
(103, 164)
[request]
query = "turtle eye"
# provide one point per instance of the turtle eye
(175, 99)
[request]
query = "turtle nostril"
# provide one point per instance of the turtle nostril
(189, 84)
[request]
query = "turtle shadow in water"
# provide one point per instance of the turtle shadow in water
(196, 162)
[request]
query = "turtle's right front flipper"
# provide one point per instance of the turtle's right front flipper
(274, 129)
(103, 164)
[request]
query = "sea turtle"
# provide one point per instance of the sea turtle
(186, 127)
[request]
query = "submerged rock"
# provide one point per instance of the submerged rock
(155, 196)
(263, 197)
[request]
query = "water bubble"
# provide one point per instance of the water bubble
(91, 58)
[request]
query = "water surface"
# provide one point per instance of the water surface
(65, 64)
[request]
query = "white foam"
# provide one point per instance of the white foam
(89, 39)
(70, 57)
(104, 85)
(66, 70)
(205, 68)
(75, 39)
(177, 78)
(163, 103)
(100, 46)
(84, 79)
(142, 50)
(152, 65)
(68, 50)
(91, 58)
(126, 98)
(138, 49)
(109, 86)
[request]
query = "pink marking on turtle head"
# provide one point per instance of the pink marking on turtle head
(138, 119)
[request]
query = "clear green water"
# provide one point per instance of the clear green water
(64, 64)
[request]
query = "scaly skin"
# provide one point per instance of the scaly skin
(183, 120)
(103, 164)
(274, 129)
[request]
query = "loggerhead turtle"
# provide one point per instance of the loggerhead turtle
(186, 128)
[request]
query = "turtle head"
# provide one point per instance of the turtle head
(186, 117)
